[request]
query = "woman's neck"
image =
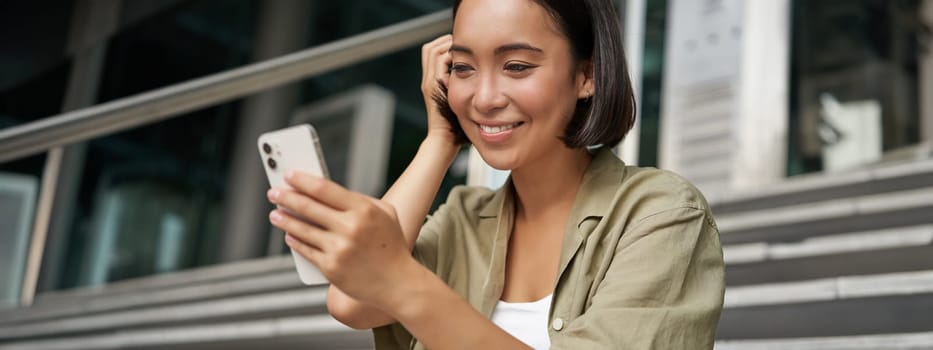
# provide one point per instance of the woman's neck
(550, 183)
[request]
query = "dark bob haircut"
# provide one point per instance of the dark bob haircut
(592, 27)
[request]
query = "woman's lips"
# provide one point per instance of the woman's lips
(497, 133)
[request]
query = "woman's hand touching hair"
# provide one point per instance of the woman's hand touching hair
(435, 66)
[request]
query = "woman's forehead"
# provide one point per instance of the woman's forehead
(495, 22)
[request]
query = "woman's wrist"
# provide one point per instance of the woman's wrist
(441, 144)
(407, 298)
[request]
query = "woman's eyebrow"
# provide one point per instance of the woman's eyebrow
(459, 48)
(514, 47)
(499, 50)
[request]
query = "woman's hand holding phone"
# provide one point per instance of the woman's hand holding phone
(354, 240)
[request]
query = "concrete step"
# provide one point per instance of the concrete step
(838, 306)
(872, 179)
(298, 332)
(877, 197)
(868, 262)
(861, 253)
(894, 341)
(242, 306)
(899, 237)
(837, 216)
(245, 278)
(276, 304)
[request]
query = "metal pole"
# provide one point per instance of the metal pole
(93, 21)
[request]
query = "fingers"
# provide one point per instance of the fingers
(314, 255)
(298, 229)
(434, 59)
(427, 50)
(322, 190)
(305, 207)
(442, 60)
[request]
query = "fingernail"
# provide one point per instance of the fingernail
(275, 216)
(274, 194)
(289, 174)
(289, 239)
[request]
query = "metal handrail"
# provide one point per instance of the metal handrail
(171, 101)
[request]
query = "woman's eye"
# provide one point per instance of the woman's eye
(459, 68)
(517, 67)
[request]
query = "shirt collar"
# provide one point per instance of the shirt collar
(493, 207)
(601, 178)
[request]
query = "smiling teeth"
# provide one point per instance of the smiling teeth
(497, 129)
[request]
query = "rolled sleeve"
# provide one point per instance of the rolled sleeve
(662, 290)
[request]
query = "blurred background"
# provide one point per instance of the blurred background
(132, 210)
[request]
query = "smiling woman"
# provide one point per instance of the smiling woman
(576, 250)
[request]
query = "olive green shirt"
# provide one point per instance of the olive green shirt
(640, 266)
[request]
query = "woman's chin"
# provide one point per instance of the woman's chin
(498, 160)
(500, 167)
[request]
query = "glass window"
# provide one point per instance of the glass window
(854, 87)
(17, 202)
(152, 198)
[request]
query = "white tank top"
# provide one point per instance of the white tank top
(525, 321)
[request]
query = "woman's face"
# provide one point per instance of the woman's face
(514, 82)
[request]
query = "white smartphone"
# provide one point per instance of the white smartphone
(293, 148)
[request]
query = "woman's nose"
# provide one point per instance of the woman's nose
(489, 97)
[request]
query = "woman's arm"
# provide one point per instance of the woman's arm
(440, 318)
(414, 191)
(360, 248)
(410, 197)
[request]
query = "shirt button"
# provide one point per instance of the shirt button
(557, 324)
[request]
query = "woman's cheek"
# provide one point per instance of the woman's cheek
(457, 98)
(547, 104)
(534, 97)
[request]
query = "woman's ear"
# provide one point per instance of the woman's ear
(586, 88)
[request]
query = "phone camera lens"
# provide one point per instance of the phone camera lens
(271, 163)
(266, 148)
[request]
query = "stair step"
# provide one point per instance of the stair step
(897, 341)
(840, 306)
(835, 288)
(302, 332)
(836, 217)
(826, 245)
(279, 304)
(823, 186)
(201, 275)
(268, 275)
(869, 262)
(831, 318)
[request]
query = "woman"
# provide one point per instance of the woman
(575, 251)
